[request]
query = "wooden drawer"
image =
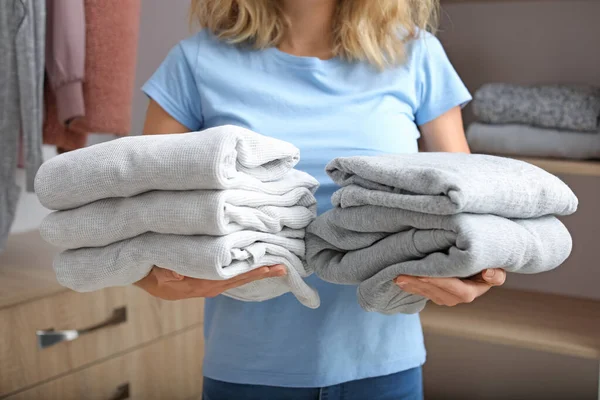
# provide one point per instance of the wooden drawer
(23, 363)
(170, 368)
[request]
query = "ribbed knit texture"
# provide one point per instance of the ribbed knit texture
(194, 212)
(210, 205)
(203, 257)
(226, 157)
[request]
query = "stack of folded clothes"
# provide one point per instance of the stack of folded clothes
(557, 121)
(436, 215)
(208, 205)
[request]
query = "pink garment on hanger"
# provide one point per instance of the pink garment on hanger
(111, 38)
(65, 56)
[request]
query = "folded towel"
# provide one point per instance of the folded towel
(521, 140)
(197, 212)
(226, 157)
(204, 257)
(575, 108)
(371, 246)
(449, 183)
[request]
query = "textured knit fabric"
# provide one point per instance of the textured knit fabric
(575, 108)
(22, 31)
(327, 108)
(203, 257)
(449, 183)
(225, 157)
(522, 140)
(111, 42)
(10, 120)
(198, 212)
(370, 246)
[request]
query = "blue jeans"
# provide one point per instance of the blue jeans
(406, 385)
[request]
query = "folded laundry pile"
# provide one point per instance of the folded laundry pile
(436, 215)
(208, 205)
(529, 141)
(559, 121)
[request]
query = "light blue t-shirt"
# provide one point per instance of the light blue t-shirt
(327, 108)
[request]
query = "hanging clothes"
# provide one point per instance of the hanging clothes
(65, 56)
(111, 29)
(22, 45)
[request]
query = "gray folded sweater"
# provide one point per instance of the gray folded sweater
(450, 183)
(529, 141)
(195, 212)
(225, 157)
(566, 107)
(370, 246)
(204, 257)
(438, 215)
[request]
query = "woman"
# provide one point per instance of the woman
(335, 78)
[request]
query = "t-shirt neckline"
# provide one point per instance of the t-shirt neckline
(304, 61)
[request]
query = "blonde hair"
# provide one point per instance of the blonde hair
(375, 31)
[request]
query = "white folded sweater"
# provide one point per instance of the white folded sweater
(203, 257)
(197, 212)
(210, 205)
(225, 157)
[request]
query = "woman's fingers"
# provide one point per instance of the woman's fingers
(465, 290)
(259, 273)
(266, 272)
(492, 276)
(434, 293)
(240, 280)
(170, 285)
(444, 291)
(166, 275)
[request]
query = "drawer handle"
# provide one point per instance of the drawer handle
(122, 393)
(50, 337)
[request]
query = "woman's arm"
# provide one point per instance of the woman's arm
(170, 285)
(446, 134)
(158, 121)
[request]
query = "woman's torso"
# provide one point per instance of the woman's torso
(327, 109)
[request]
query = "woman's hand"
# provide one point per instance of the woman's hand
(169, 285)
(452, 291)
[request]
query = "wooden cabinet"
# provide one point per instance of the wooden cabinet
(23, 363)
(170, 368)
(144, 341)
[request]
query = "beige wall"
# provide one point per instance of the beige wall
(163, 24)
(537, 42)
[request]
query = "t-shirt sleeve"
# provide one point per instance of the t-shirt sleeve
(173, 86)
(439, 87)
